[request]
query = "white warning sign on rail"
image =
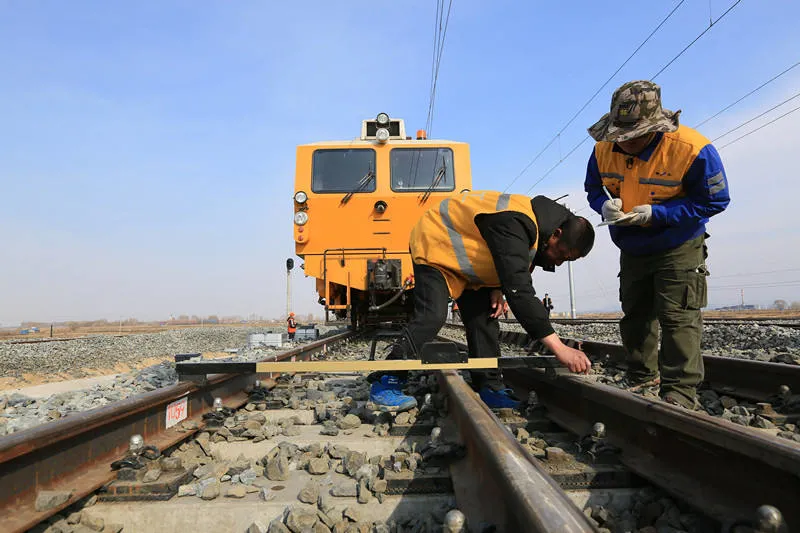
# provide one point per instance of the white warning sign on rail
(177, 411)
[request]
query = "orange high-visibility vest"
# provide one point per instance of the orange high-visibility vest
(292, 324)
(653, 181)
(447, 238)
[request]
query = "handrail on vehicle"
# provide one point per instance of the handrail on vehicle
(325, 272)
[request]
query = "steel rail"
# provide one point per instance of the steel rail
(508, 487)
(754, 380)
(73, 454)
(793, 323)
(724, 470)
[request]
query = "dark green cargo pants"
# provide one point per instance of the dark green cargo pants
(669, 289)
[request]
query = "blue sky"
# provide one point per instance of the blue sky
(148, 148)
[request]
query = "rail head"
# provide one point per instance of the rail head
(519, 494)
(706, 461)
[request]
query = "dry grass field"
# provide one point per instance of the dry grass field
(77, 331)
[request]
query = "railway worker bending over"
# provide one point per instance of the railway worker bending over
(662, 183)
(476, 248)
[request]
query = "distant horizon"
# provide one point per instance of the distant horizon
(251, 318)
(189, 321)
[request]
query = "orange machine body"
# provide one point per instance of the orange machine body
(355, 205)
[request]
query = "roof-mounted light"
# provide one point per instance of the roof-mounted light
(382, 119)
(300, 197)
(382, 135)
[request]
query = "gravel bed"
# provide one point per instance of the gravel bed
(750, 341)
(335, 478)
(18, 412)
(712, 402)
(338, 479)
(105, 351)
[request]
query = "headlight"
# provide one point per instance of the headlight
(382, 135)
(300, 197)
(382, 119)
(300, 218)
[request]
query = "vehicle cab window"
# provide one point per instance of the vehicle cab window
(422, 169)
(343, 170)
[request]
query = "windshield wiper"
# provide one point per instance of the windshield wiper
(359, 187)
(440, 173)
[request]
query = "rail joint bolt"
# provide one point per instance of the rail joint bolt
(769, 520)
(455, 521)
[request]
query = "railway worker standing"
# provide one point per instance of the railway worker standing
(291, 326)
(548, 303)
(662, 183)
(476, 248)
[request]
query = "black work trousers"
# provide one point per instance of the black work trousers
(430, 313)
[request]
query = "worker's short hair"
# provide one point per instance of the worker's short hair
(577, 233)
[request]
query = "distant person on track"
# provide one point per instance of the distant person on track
(476, 248)
(548, 304)
(662, 181)
(291, 324)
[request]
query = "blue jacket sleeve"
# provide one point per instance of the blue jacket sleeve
(707, 192)
(594, 185)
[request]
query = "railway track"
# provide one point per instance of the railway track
(723, 469)
(756, 381)
(710, 463)
(56, 467)
(69, 459)
(783, 323)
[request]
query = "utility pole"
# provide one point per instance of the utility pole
(571, 291)
(742, 293)
(289, 267)
(571, 285)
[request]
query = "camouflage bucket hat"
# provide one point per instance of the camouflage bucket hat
(635, 111)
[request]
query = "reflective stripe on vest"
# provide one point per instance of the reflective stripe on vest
(457, 242)
(448, 238)
(653, 181)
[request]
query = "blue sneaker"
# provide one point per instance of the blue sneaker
(498, 399)
(387, 395)
(372, 377)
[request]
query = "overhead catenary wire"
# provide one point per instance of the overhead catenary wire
(591, 99)
(776, 106)
(439, 35)
(670, 62)
(433, 60)
(558, 163)
(718, 113)
(710, 25)
(759, 128)
(439, 38)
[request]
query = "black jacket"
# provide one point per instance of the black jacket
(509, 236)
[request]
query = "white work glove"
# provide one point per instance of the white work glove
(643, 216)
(612, 209)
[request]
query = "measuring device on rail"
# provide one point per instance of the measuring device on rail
(433, 356)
